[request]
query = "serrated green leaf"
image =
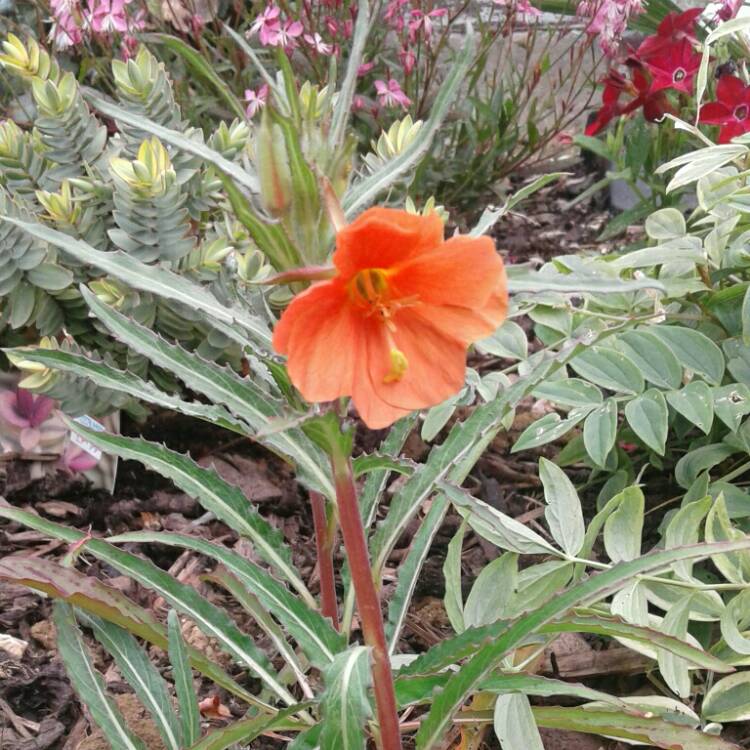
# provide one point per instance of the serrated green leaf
(314, 633)
(496, 526)
(88, 683)
(187, 700)
(240, 395)
(224, 500)
(141, 675)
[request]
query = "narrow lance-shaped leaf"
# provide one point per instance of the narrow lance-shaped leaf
(480, 666)
(240, 395)
(345, 705)
(95, 597)
(88, 683)
(187, 699)
(314, 633)
(141, 675)
(224, 500)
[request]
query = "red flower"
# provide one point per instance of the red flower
(674, 28)
(391, 328)
(674, 67)
(615, 84)
(731, 111)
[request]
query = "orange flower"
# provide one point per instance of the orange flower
(392, 327)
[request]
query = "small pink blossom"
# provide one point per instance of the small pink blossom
(358, 103)
(420, 21)
(408, 60)
(390, 94)
(65, 31)
(287, 35)
(728, 9)
(108, 16)
(364, 69)
(316, 42)
(256, 100)
(609, 20)
(267, 25)
(524, 7)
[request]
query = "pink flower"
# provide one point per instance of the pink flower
(22, 410)
(287, 34)
(267, 25)
(256, 100)
(408, 60)
(316, 42)
(65, 31)
(609, 19)
(358, 103)
(390, 94)
(364, 69)
(527, 9)
(424, 21)
(728, 9)
(108, 16)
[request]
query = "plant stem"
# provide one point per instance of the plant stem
(325, 534)
(368, 602)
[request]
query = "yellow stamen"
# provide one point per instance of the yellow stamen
(369, 286)
(399, 366)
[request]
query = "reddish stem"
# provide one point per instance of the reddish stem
(368, 602)
(325, 535)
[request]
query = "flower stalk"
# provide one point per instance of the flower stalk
(368, 602)
(325, 537)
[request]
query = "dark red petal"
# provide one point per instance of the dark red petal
(732, 130)
(731, 91)
(715, 113)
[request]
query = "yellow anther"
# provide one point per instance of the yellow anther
(369, 286)
(399, 366)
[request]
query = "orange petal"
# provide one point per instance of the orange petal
(436, 363)
(383, 237)
(318, 333)
(464, 272)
